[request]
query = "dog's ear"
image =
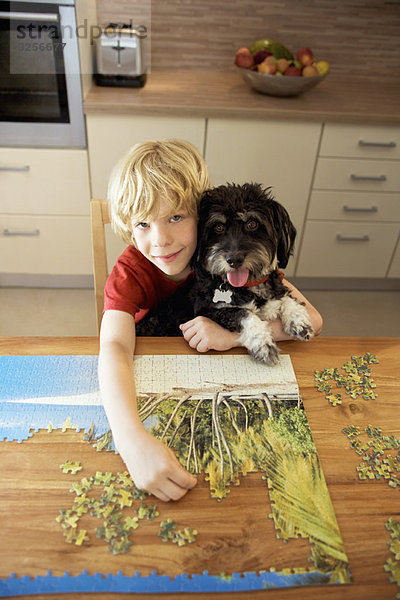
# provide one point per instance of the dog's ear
(202, 216)
(286, 233)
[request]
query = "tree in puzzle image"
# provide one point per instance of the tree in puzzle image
(228, 432)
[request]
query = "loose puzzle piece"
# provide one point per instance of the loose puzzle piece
(376, 463)
(71, 467)
(393, 566)
(118, 493)
(357, 381)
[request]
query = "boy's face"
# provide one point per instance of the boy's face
(168, 241)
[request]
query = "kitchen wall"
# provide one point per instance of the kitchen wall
(359, 38)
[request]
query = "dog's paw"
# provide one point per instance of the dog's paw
(268, 354)
(300, 330)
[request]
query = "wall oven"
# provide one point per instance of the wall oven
(40, 83)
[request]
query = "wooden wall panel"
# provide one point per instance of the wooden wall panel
(360, 38)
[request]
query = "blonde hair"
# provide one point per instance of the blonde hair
(171, 170)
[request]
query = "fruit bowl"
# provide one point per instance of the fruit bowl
(279, 85)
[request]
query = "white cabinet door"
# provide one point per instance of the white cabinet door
(111, 136)
(274, 153)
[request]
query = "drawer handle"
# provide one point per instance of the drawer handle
(24, 168)
(342, 238)
(356, 177)
(378, 144)
(371, 209)
(34, 233)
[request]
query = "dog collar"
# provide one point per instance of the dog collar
(263, 280)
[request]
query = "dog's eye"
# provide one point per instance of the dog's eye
(219, 228)
(251, 225)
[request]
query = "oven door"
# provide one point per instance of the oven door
(40, 84)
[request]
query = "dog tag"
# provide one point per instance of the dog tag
(222, 296)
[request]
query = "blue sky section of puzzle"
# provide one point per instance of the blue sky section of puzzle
(37, 376)
(19, 421)
(49, 584)
(38, 390)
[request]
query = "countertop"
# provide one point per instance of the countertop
(224, 94)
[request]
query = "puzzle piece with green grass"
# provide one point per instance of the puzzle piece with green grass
(71, 467)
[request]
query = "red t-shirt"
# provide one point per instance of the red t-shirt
(136, 286)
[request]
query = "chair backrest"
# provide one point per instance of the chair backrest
(100, 216)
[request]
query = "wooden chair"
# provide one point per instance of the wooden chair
(99, 216)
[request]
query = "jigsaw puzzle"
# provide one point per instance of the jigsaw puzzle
(356, 382)
(118, 493)
(226, 417)
(376, 462)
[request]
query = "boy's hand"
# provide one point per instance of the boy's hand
(203, 334)
(155, 468)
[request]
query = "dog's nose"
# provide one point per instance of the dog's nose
(234, 260)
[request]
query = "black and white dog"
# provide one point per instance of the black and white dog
(244, 235)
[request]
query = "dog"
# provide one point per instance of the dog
(244, 238)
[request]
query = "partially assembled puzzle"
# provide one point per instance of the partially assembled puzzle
(227, 418)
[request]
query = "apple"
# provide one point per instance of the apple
(305, 56)
(323, 67)
(310, 71)
(293, 71)
(282, 65)
(260, 56)
(243, 49)
(244, 60)
(267, 67)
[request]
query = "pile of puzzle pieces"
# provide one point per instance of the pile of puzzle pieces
(376, 464)
(356, 381)
(392, 566)
(167, 532)
(118, 492)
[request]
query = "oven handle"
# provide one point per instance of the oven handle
(24, 16)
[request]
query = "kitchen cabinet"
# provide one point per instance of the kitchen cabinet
(44, 215)
(274, 153)
(339, 182)
(353, 217)
(111, 136)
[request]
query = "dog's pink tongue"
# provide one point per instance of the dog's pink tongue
(238, 278)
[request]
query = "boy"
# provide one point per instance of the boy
(154, 193)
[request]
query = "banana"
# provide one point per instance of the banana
(277, 49)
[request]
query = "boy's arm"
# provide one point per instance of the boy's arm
(203, 334)
(152, 465)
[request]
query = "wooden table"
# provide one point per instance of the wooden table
(362, 507)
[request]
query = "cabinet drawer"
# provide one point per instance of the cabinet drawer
(346, 249)
(368, 175)
(49, 245)
(37, 181)
(360, 141)
(354, 206)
